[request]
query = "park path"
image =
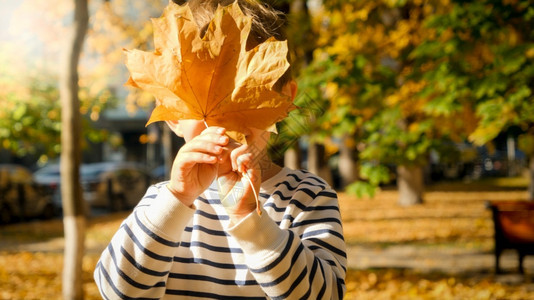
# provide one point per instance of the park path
(444, 260)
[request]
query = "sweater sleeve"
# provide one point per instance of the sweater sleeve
(137, 262)
(308, 261)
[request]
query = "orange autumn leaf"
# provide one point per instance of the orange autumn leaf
(211, 77)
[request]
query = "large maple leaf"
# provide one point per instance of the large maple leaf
(211, 77)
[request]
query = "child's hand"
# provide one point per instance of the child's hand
(195, 165)
(242, 162)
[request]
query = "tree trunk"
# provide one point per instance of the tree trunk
(292, 157)
(410, 185)
(348, 166)
(73, 206)
(531, 181)
(305, 40)
(313, 158)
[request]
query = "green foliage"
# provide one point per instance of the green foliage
(414, 76)
(490, 62)
(390, 142)
(374, 95)
(526, 143)
(310, 116)
(361, 189)
(30, 121)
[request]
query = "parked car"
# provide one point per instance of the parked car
(114, 185)
(49, 176)
(21, 197)
(159, 174)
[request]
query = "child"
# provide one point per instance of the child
(180, 242)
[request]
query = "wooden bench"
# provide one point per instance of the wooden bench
(514, 229)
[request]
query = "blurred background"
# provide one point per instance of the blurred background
(419, 112)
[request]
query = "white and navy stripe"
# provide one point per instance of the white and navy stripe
(301, 255)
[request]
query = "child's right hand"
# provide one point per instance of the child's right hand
(195, 165)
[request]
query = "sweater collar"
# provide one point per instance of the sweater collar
(269, 185)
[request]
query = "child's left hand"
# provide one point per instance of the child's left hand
(242, 162)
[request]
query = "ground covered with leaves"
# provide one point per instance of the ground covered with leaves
(453, 219)
(31, 256)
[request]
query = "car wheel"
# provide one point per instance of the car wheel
(49, 211)
(5, 215)
(117, 203)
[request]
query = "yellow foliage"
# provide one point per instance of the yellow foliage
(363, 12)
(377, 34)
(346, 45)
(413, 127)
(393, 99)
(512, 36)
(428, 9)
(331, 90)
(6, 144)
(343, 100)
(479, 136)
(446, 35)
(402, 36)
(366, 112)
(331, 147)
(469, 118)
(53, 115)
(405, 96)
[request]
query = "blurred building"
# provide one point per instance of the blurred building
(131, 140)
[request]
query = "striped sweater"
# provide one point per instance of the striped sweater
(294, 250)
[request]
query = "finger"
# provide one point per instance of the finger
(190, 159)
(207, 143)
(211, 135)
(243, 149)
(227, 149)
(215, 137)
(214, 129)
(244, 162)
